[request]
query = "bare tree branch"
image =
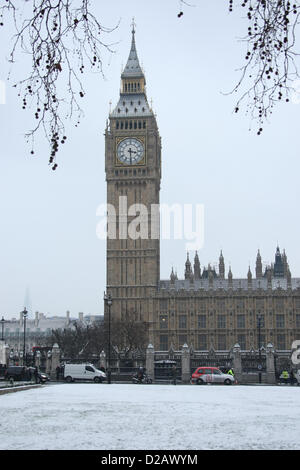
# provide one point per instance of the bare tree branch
(270, 57)
(62, 37)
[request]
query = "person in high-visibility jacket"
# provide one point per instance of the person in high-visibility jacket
(285, 376)
(230, 372)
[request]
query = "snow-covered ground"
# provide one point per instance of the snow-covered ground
(127, 416)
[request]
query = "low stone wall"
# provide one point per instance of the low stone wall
(17, 388)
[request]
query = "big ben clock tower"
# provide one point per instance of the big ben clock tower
(133, 173)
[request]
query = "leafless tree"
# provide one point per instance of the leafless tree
(128, 335)
(270, 67)
(62, 37)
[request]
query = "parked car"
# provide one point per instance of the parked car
(42, 376)
(23, 373)
(86, 372)
(205, 375)
(17, 373)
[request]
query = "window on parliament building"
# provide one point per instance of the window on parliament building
(280, 342)
(182, 322)
(201, 321)
(241, 339)
(163, 343)
(221, 321)
(182, 339)
(240, 321)
(221, 342)
(280, 320)
(202, 342)
(163, 322)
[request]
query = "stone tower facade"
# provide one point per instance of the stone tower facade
(133, 174)
(205, 309)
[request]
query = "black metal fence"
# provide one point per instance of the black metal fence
(163, 369)
(207, 359)
(252, 362)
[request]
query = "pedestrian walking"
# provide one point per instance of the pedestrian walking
(36, 375)
(57, 372)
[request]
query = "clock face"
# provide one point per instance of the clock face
(130, 151)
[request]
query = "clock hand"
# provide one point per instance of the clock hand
(131, 151)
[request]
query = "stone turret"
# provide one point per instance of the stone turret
(221, 266)
(258, 269)
(197, 269)
(249, 277)
(188, 268)
(278, 269)
(172, 276)
(269, 276)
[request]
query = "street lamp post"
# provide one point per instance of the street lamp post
(259, 323)
(25, 313)
(108, 302)
(2, 327)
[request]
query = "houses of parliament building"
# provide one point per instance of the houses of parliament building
(209, 308)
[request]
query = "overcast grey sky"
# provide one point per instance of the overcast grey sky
(249, 184)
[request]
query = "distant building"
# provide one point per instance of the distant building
(40, 328)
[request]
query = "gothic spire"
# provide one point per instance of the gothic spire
(221, 266)
(132, 68)
(172, 276)
(249, 276)
(188, 268)
(197, 269)
(279, 264)
(258, 268)
(133, 100)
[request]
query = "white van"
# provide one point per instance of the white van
(83, 372)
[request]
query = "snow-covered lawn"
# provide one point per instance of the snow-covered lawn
(127, 416)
